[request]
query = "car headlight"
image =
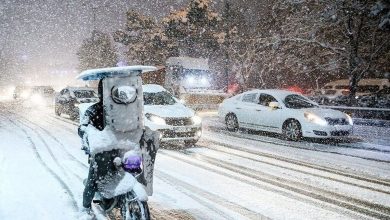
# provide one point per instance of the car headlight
(156, 119)
(196, 120)
(204, 80)
(191, 80)
(315, 119)
(25, 94)
(349, 119)
(37, 99)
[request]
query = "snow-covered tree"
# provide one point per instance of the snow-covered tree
(305, 41)
(97, 52)
(145, 41)
(195, 30)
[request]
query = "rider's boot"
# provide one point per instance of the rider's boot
(86, 214)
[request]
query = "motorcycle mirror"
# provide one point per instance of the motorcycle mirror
(117, 161)
(123, 94)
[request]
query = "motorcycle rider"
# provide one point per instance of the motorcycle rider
(97, 117)
(94, 116)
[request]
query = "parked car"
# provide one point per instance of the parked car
(379, 99)
(336, 92)
(166, 114)
(288, 113)
(68, 100)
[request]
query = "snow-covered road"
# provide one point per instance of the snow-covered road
(243, 175)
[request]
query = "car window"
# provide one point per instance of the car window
(298, 102)
(66, 93)
(48, 90)
(330, 92)
(342, 87)
(328, 87)
(84, 94)
(368, 88)
(265, 99)
(158, 98)
(251, 97)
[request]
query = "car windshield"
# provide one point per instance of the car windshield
(298, 101)
(158, 98)
(43, 90)
(85, 94)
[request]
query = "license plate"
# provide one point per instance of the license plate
(182, 129)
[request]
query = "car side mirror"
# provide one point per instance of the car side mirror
(274, 105)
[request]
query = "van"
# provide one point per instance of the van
(340, 88)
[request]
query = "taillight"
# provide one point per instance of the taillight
(345, 92)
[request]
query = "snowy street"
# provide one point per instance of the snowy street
(227, 175)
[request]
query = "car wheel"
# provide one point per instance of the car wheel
(190, 143)
(74, 117)
(292, 130)
(57, 110)
(231, 122)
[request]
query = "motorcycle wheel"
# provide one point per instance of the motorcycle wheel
(136, 210)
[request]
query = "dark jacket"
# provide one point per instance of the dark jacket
(93, 116)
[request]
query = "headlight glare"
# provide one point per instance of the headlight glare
(196, 120)
(156, 119)
(315, 119)
(349, 118)
(25, 94)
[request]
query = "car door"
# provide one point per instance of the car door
(244, 110)
(383, 98)
(263, 115)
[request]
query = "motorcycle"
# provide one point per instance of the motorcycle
(119, 185)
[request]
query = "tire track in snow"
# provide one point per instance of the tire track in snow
(357, 205)
(185, 187)
(293, 145)
(64, 120)
(47, 168)
(230, 152)
(98, 212)
(52, 122)
(54, 158)
(297, 162)
(268, 188)
(63, 147)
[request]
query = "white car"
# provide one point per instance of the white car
(172, 119)
(288, 113)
